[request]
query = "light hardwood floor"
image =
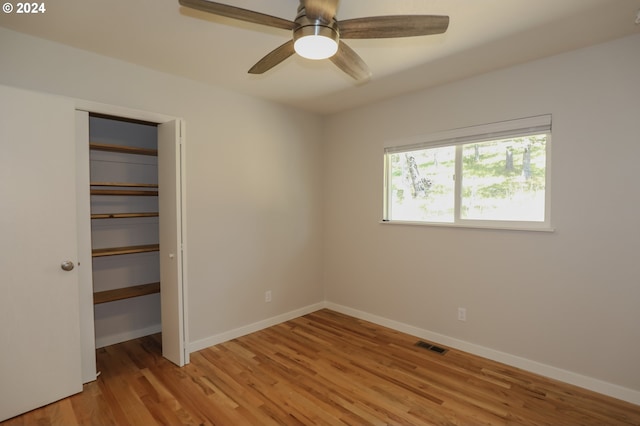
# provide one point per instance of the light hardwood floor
(324, 368)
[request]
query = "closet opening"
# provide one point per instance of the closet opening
(125, 247)
(130, 180)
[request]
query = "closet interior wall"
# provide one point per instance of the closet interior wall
(133, 314)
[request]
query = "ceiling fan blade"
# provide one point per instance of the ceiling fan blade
(273, 58)
(351, 63)
(238, 13)
(325, 10)
(393, 26)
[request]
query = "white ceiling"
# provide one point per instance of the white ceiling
(483, 35)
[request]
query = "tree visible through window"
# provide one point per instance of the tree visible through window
(505, 179)
(422, 185)
(502, 180)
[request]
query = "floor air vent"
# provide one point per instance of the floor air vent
(432, 348)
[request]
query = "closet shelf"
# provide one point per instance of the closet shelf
(114, 251)
(125, 293)
(122, 149)
(131, 192)
(144, 193)
(122, 215)
(125, 184)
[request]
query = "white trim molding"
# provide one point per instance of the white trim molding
(605, 388)
(113, 339)
(252, 328)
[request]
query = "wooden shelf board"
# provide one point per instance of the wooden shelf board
(122, 215)
(125, 293)
(123, 192)
(114, 251)
(122, 149)
(125, 184)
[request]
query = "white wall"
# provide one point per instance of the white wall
(568, 299)
(253, 177)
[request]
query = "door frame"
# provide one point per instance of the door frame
(84, 232)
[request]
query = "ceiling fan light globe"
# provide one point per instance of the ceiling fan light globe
(313, 40)
(316, 47)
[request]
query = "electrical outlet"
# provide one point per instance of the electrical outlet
(267, 296)
(462, 314)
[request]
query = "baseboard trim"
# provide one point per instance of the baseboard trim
(112, 339)
(252, 328)
(562, 375)
(602, 387)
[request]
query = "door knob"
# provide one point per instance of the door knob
(67, 265)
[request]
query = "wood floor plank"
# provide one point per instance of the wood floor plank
(324, 368)
(91, 408)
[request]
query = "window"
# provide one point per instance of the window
(495, 175)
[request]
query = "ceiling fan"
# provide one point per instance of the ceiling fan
(317, 34)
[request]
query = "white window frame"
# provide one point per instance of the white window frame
(459, 137)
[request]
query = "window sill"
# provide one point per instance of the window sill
(499, 227)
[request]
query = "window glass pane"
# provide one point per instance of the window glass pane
(422, 185)
(504, 179)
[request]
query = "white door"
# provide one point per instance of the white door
(39, 316)
(170, 152)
